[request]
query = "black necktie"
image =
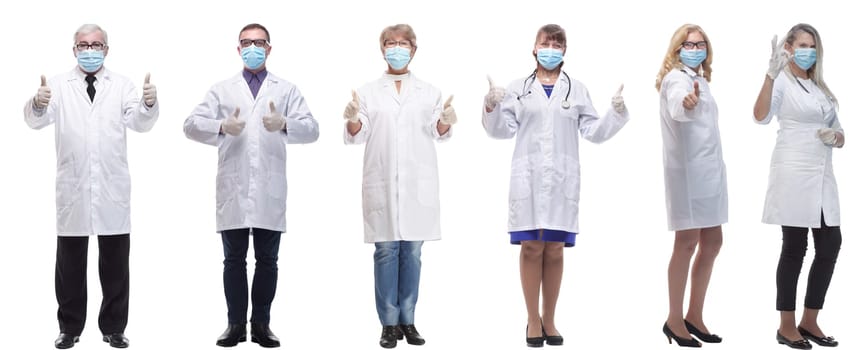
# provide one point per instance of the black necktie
(91, 91)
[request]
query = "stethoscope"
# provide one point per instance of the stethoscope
(532, 77)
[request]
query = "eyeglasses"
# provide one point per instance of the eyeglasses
(690, 45)
(402, 43)
(256, 42)
(96, 45)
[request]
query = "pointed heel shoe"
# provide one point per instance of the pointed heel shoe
(708, 338)
(683, 342)
(535, 342)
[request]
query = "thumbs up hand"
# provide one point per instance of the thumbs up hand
(448, 117)
(272, 120)
(149, 92)
(692, 98)
(618, 101)
(232, 125)
(495, 95)
(351, 112)
(43, 95)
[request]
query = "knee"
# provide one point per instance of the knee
(385, 251)
(532, 250)
(554, 251)
(686, 243)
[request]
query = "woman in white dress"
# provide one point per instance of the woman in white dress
(695, 178)
(802, 192)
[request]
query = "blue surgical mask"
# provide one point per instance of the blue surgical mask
(90, 60)
(397, 57)
(253, 56)
(692, 58)
(549, 58)
(805, 57)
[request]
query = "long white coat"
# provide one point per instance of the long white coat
(801, 181)
(251, 167)
(544, 185)
(693, 169)
(93, 179)
(400, 187)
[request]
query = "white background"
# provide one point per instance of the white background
(614, 290)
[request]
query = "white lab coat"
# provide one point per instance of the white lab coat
(400, 188)
(544, 185)
(251, 167)
(693, 169)
(93, 180)
(801, 181)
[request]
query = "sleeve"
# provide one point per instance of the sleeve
(38, 118)
(137, 116)
(301, 127)
(203, 125)
(674, 89)
(502, 123)
(361, 136)
(777, 98)
(596, 129)
(435, 118)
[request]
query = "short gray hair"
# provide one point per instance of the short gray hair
(87, 29)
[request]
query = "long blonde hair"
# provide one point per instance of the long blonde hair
(815, 73)
(672, 59)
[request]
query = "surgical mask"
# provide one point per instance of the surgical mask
(549, 58)
(805, 57)
(253, 56)
(90, 60)
(692, 58)
(397, 57)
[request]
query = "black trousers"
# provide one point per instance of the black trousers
(70, 283)
(827, 243)
(266, 244)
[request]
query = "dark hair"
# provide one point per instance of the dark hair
(255, 26)
(552, 32)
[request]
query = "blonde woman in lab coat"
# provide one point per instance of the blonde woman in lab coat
(547, 112)
(694, 176)
(802, 192)
(399, 117)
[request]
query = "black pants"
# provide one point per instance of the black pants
(827, 242)
(265, 246)
(70, 283)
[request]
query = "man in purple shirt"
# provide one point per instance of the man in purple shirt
(251, 177)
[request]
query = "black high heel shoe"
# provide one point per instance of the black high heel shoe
(685, 342)
(553, 339)
(708, 338)
(535, 342)
(824, 341)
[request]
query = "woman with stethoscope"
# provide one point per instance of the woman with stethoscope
(802, 191)
(546, 112)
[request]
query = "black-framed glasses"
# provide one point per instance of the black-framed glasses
(255, 42)
(96, 45)
(403, 43)
(690, 45)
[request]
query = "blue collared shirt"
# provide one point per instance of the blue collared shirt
(254, 81)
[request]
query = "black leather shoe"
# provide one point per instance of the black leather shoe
(261, 334)
(795, 344)
(116, 340)
(708, 338)
(553, 339)
(234, 334)
(688, 342)
(389, 337)
(413, 337)
(535, 342)
(824, 341)
(65, 341)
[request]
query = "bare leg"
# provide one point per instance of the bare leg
(679, 264)
(788, 326)
(531, 268)
(553, 271)
(710, 240)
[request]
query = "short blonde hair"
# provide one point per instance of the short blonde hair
(401, 29)
(672, 58)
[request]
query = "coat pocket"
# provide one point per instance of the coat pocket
(374, 198)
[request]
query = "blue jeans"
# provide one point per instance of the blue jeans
(266, 244)
(397, 266)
